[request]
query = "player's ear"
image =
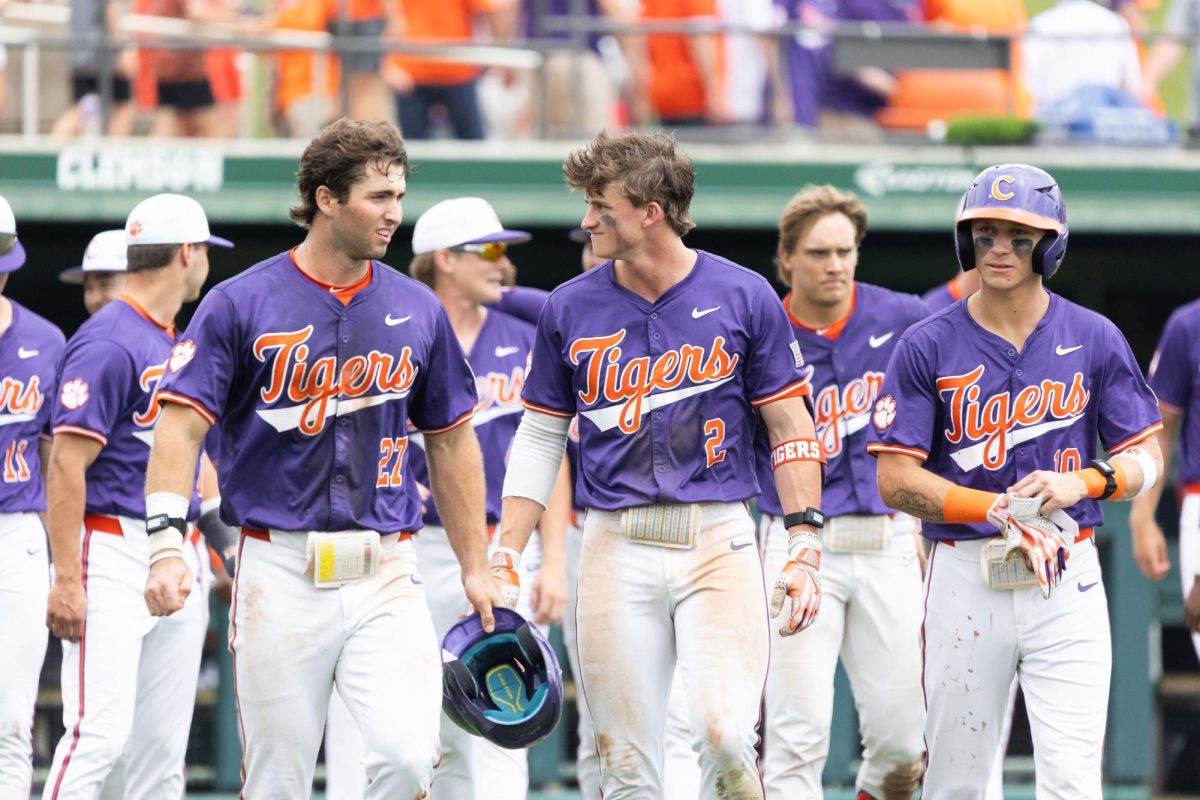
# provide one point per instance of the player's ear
(325, 198)
(653, 213)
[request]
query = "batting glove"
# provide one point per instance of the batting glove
(504, 565)
(800, 579)
(1040, 540)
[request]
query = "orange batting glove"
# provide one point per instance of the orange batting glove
(800, 579)
(504, 563)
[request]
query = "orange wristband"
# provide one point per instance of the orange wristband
(1096, 484)
(967, 505)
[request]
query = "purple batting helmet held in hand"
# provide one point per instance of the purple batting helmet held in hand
(1017, 193)
(505, 686)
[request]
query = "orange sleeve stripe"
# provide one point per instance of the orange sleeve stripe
(798, 389)
(195, 405)
(544, 410)
(893, 448)
(464, 418)
(85, 432)
(1135, 439)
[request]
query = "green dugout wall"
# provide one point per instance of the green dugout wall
(1135, 234)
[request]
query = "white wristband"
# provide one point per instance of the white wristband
(799, 541)
(165, 553)
(170, 539)
(169, 503)
(1149, 470)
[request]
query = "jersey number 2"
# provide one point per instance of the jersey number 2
(714, 429)
(390, 449)
(16, 470)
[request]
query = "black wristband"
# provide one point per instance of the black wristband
(809, 516)
(160, 522)
(1110, 480)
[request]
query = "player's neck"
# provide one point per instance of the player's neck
(159, 295)
(466, 318)
(815, 316)
(320, 260)
(655, 267)
(1011, 314)
(6, 314)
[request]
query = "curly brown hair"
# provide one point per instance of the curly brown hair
(338, 158)
(809, 205)
(647, 167)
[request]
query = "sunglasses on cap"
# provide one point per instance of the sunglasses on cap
(8, 241)
(488, 251)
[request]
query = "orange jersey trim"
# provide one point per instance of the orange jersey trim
(831, 332)
(183, 400)
(464, 418)
(87, 433)
(169, 329)
(800, 388)
(344, 294)
(1135, 439)
(892, 448)
(544, 410)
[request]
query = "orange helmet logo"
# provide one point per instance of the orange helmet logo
(999, 193)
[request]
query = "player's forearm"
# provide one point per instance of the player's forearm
(554, 521)
(66, 497)
(905, 485)
(518, 517)
(456, 480)
(1144, 507)
(177, 439)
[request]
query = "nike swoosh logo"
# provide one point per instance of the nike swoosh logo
(1062, 351)
(31, 550)
(876, 341)
(739, 546)
(23, 353)
(390, 320)
(1083, 587)
(501, 352)
(697, 313)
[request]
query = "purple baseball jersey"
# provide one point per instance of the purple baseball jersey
(981, 414)
(522, 302)
(665, 391)
(314, 397)
(29, 353)
(1175, 378)
(498, 360)
(108, 391)
(847, 374)
(940, 296)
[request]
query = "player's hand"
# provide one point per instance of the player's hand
(167, 586)
(1058, 490)
(1045, 548)
(66, 608)
(504, 563)
(425, 495)
(1149, 547)
(1191, 608)
(548, 595)
(484, 595)
(801, 581)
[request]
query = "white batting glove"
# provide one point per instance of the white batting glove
(504, 563)
(1041, 540)
(800, 579)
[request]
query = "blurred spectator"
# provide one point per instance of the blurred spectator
(367, 22)
(89, 19)
(821, 96)
(993, 16)
(746, 55)
(305, 82)
(686, 72)
(1181, 26)
(1079, 43)
(423, 88)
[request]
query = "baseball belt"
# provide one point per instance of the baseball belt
(662, 524)
(857, 533)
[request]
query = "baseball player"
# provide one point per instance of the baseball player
(870, 575)
(128, 679)
(102, 273)
(680, 770)
(1174, 378)
(666, 353)
(314, 361)
(987, 421)
(29, 354)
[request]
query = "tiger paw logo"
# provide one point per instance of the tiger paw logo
(74, 394)
(885, 412)
(136, 228)
(181, 355)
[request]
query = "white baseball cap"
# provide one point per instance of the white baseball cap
(463, 220)
(12, 254)
(169, 219)
(105, 253)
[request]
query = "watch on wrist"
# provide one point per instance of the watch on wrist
(1110, 481)
(809, 516)
(160, 522)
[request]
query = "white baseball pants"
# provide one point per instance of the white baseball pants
(1189, 549)
(681, 769)
(291, 642)
(976, 638)
(24, 582)
(644, 608)
(129, 683)
(871, 617)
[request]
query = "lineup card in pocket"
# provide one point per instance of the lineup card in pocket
(335, 559)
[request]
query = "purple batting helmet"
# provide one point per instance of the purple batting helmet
(505, 686)
(1017, 193)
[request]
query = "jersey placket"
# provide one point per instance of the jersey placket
(1022, 457)
(339, 491)
(660, 434)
